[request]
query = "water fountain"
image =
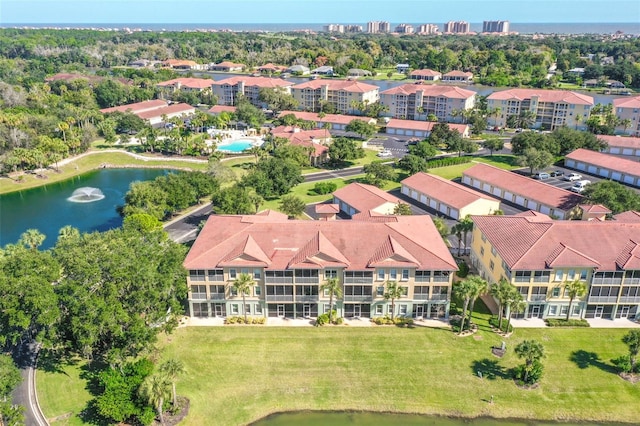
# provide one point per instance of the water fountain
(86, 194)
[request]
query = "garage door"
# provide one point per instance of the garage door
(486, 187)
(466, 179)
(497, 192)
(628, 179)
(519, 200)
(400, 132)
(443, 208)
(627, 151)
(508, 196)
(454, 213)
(409, 133)
(545, 210)
(616, 176)
(592, 169)
(423, 199)
(391, 131)
(615, 151)
(405, 190)
(604, 172)
(433, 204)
(569, 163)
(581, 166)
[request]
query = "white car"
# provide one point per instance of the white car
(572, 176)
(580, 186)
(385, 153)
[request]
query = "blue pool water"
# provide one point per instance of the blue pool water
(236, 146)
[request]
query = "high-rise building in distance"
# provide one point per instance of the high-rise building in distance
(428, 29)
(501, 27)
(458, 27)
(378, 27)
(404, 29)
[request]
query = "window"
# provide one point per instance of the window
(541, 276)
(553, 310)
(423, 276)
(306, 290)
(583, 274)
(358, 277)
(257, 290)
(234, 309)
(558, 276)
(632, 277)
(440, 276)
(393, 274)
(276, 277)
(380, 291)
(483, 238)
(379, 309)
(571, 275)
(216, 292)
(216, 275)
(258, 309)
(609, 277)
(523, 276)
(306, 275)
(199, 292)
(257, 274)
(233, 291)
(380, 275)
(247, 308)
(576, 310)
(330, 273)
(493, 251)
(403, 309)
(232, 274)
(481, 251)
(564, 309)
(196, 275)
(556, 292)
(491, 265)
(405, 275)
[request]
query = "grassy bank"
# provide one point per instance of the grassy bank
(91, 162)
(236, 374)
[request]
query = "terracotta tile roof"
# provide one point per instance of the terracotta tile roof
(457, 73)
(171, 109)
(328, 118)
(621, 141)
(630, 217)
(525, 186)
(294, 134)
(606, 161)
(436, 90)
(192, 83)
(253, 81)
(326, 208)
(426, 73)
(270, 66)
(426, 126)
(217, 109)
(526, 244)
(228, 64)
(594, 208)
(137, 107)
(405, 240)
(363, 197)
(629, 102)
(446, 191)
(543, 96)
(337, 85)
(318, 149)
(179, 63)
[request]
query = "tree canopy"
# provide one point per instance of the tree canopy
(614, 195)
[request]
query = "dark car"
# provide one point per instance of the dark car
(557, 173)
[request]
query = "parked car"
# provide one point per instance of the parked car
(557, 173)
(572, 177)
(580, 186)
(385, 153)
(541, 175)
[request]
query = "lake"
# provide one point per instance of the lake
(314, 418)
(48, 208)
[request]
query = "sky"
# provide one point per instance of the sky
(316, 11)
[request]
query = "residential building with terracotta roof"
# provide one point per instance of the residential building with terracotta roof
(180, 64)
(166, 88)
(552, 108)
(217, 109)
(619, 145)
(154, 110)
(229, 89)
(290, 259)
(426, 74)
(271, 69)
(368, 200)
(316, 140)
(342, 94)
(604, 165)
(417, 101)
(629, 217)
(421, 129)
(594, 212)
(540, 256)
(457, 77)
(447, 197)
(329, 121)
(226, 66)
(137, 107)
(522, 191)
(628, 109)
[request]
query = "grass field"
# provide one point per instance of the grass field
(238, 374)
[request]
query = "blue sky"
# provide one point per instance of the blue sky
(316, 11)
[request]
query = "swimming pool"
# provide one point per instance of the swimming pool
(239, 145)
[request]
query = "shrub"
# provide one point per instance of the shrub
(493, 321)
(553, 322)
(386, 320)
(623, 363)
(324, 319)
(463, 269)
(240, 320)
(455, 325)
(322, 188)
(535, 374)
(449, 161)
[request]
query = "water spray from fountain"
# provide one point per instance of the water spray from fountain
(86, 194)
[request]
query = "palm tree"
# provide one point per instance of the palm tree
(632, 339)
(68, 232)
(575, 288)
(243, 285)
(514, 304)
(173, 368)
(256, 151)
(625, 123)
(501, 293)
(457, 231)
(466, 225)
(532, 351)
(155, 389)
(32, 238)
(333, 287)
(463, 290)
(478, 288)
(442, 228)
(394, 291)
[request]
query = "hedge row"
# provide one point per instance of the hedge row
(449, 161)
(551, 322)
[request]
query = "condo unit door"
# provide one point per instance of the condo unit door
(419, 311)
(535, 311)
(281, 311)
(357, 312)
(219, 310)
(599, 311)
(624, 311)
(306, 311)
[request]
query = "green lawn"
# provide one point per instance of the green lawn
(507, 162)
(62, 395)
(236, 375)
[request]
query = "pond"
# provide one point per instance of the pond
(87, 202)
(315, 418)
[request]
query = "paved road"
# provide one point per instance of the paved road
(25, 356)
(333, 174)
(185, 228)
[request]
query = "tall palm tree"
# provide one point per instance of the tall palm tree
(575, 288)
(515, 304)
(466, 225)
(457, 231)
(32, 238)
(334, 288)
(632, 340)
(173, 368)
(155, 389)
(478, 288)
(394, 291)
(500, 292)
(243, 284)
(463, 289)
(531, 351)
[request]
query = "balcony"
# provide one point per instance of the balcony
(307, 280)
(359, 298)
(279, 298)
(602, 299)
(421, 297)
(311, 298)
(278, 280)
(630, 299)
(216, 296)
(538, 297)
(358, 280)
(439, 297)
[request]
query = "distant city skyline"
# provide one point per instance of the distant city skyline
(317, 11)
